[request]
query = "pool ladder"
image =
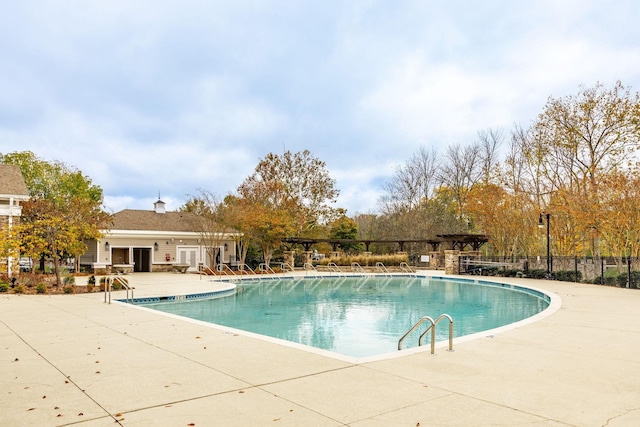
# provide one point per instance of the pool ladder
(432, 328)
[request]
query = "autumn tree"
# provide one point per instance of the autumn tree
(303, 182)
(268, 213)
(65, 210)
(205, 217)
(237, 213)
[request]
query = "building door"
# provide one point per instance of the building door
(142, 260)
(189, 256)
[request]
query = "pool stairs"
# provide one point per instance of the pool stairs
(432, 328)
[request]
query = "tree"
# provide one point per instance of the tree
(267, 212)
(205, 217)
(591, 133)
(412, 183)
(345, 228)
(236, 213)
(301, 181)
(65, 209)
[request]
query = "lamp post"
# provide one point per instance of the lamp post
(540, 225)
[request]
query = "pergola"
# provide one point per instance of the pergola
(454, 241)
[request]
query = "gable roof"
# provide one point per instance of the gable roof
(134, 219)
(12, 182)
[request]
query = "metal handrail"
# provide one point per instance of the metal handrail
(265, 267)
(108, 283)
(380, 267)
(405, 267)
(432, 328)
(332, 266)
(221, 268)
(356, 267)
(433, 333)
(245, 267)
(285, 265)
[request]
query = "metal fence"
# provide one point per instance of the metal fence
(611, 271)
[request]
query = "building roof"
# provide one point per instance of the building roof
(12, 182)
(133, 219)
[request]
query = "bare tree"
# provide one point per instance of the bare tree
(413, 183)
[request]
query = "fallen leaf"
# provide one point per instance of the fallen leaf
(197, 338)
(16, 359)
(241, 391)
(97, 361)
(44, 397)
(59, 415)
(97, 372)
(30, 409)
(276, 419)
(191, 424)
(57, 407)
(80, 414)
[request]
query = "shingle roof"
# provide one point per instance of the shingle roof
(12, 182)
(132, 219)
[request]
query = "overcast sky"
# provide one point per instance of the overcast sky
(167, 97)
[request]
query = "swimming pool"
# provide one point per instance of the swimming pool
(361, 316)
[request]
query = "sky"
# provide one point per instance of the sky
(154, 98)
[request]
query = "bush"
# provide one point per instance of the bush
(4, 287)
(19, 289)
(41, 288)
(68, 289)
(537, 273)
(69, 280)
(511, 273)
(621, 280)
(567, 275)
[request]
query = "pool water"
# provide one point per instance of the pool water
(360, 316)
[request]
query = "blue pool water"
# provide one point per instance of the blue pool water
(361, 316)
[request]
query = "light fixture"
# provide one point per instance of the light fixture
(226, 246)
(541, 225)
(172, 240)
(155, 246)
(106, 246)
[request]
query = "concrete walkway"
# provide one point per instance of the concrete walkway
(74, 360)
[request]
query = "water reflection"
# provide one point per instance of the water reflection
(359, 316)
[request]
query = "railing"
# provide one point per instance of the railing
(223, 268)
(332, 266)
(406, 268)
(432, 328)
(108, 283)
(308, 266)
(245, 267)
(381, 268)
(357, 268)
(265, 268)
(286, 267)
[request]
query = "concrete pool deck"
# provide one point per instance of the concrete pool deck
(74, 360)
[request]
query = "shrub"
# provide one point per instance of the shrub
(91, 280)
(68, 289)
(511, 273)
(567, 275)
(68, 280)
(537, 273)
(19, 289)
(621, 280)
(41, 288)
(90, 287)
(4, 287)
(608, 281)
